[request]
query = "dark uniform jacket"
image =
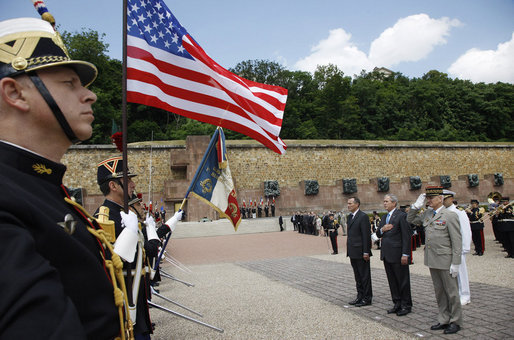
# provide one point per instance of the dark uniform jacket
(474, 219)
(53, 285)
(143, 323)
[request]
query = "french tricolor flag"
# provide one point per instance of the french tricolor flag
(213, 181)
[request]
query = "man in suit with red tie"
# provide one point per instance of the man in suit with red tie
(396, 234)
(359, 251)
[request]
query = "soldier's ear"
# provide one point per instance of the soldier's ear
(13, 93)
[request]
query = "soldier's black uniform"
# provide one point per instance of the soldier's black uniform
(54, 285)
(143, 324)
(505, 223)
(477, 230)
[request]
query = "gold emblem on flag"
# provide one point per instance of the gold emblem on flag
(233, 210)
(206, 185)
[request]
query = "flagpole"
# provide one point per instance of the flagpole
(124, 109)
(124, 139)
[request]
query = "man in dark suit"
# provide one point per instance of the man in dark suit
(396, 242)
(359, 250)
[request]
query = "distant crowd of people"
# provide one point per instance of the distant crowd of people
(255, 210)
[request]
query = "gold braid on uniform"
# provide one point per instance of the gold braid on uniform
(115, 266)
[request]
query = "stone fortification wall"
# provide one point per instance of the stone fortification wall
(327, 162)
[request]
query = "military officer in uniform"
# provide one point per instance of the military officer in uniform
(55, 281)
(130, 241)
(443, 249)
(465, 231)
(110, 180)
(477, 227)
(505, 225)
(332, 232)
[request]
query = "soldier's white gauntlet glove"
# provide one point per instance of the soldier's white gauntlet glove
(126, 242)
(420, 202)
(172, 222)
(151, 233)
(454, 270)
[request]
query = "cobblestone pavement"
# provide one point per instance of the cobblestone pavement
(489, 316)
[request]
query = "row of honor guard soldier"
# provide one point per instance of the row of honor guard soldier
(56, 270)
(137, 240)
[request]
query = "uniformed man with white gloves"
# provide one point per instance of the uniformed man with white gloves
(443, 250)
(465, 231)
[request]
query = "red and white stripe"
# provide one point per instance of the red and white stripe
(203, 90)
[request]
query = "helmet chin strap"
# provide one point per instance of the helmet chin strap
(54, 107)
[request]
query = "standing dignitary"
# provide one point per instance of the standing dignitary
(395, 232)
(477, 227)
(443, 249)
(54, 281)
(465, 231)
(359, 251)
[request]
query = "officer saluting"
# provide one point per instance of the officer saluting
(54, 278)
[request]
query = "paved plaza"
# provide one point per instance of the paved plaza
(285, 285)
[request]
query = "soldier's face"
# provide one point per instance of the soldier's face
(73, 99)
(434, 202)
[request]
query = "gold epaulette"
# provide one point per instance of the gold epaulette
(115, 269)
(106, 224)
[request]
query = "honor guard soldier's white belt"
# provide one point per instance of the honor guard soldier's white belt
(134, 272)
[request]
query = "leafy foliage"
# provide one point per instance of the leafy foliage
(323, 105)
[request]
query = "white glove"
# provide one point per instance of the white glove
(151, 233)
(454, 270)
(126, 242)
(129, 221)
(420, 202)
(172, 222)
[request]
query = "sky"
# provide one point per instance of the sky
(467, 39)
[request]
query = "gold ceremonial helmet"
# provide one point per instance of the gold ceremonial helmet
(30, 44)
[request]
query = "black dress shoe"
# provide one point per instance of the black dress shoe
(403, 311)
(353, 302)
(363, 303)
(395, 309)
(439, 326)
(452, 328)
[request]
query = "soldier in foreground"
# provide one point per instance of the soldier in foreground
(55, 282)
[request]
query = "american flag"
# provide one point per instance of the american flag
(166, 68)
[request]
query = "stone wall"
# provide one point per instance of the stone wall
(327, 162)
